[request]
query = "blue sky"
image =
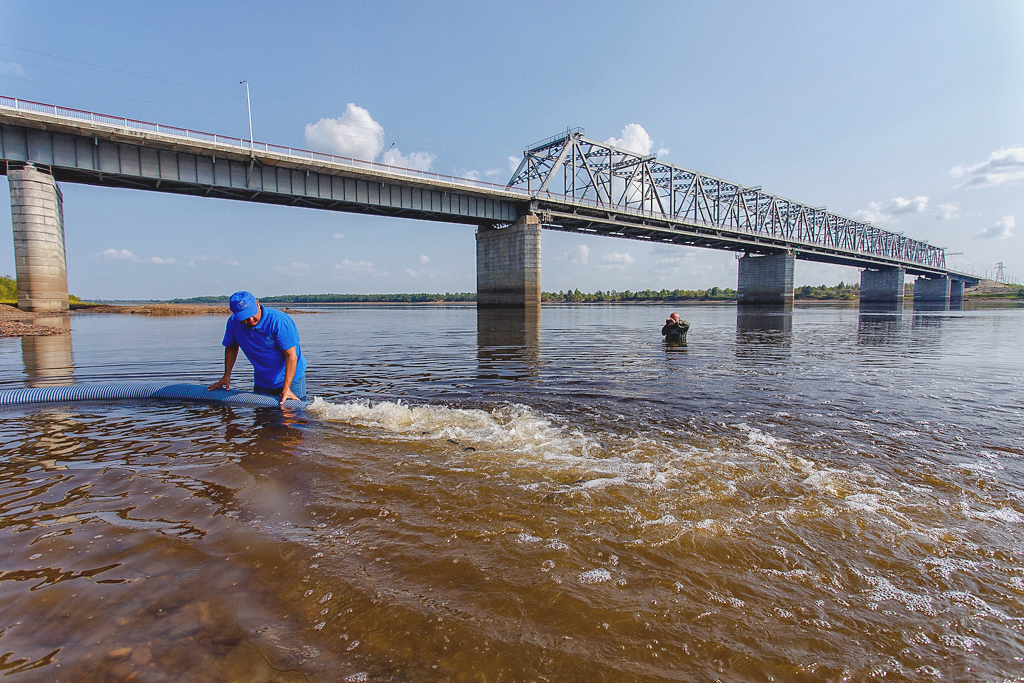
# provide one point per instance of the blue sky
(907, 114)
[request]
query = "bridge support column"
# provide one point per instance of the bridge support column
(884, 286)
(932, 293)
(766, 279)
(956, 295)
(39, 260)
(508, 265)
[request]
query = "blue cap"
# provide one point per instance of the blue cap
(243, 306)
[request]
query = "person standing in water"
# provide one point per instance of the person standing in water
(270, 341)
(675, 329)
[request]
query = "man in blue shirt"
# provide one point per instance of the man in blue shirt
(270, 341)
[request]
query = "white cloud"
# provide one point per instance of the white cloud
(11, 69)
(204, 259)
(468, 175)
(876, 213)
(513, 164)
(339, 235)
(662, 151)
(295, 268)
(424, 259)
(580, 254)
(351, 269)
(128, 255)
(949, 211)
(616, 260)
(634, 138)
(1003, 229)
(494, 172)
(900, 205)
(419, 161)
(120, 254)
(1003, 167)
(353, 134)
(872, 214)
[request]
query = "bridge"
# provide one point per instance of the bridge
(567, 182)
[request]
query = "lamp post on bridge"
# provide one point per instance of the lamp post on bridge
(252, 148)
(248, 105)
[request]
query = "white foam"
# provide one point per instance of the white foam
(884, 590)
(966, 643)
(598, 575)
(726, 600)
(1003, 514)
(508, 427)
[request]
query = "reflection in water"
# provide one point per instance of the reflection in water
(880, 323)
(508, 342)
(274, 428)
(763, 325)
(764, 318)
(48, 360)
(932, 305)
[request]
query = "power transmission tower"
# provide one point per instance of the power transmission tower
(1000, 276)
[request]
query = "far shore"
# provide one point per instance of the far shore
(17, 323)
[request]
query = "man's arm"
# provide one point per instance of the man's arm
(291, 362)
(230, 354)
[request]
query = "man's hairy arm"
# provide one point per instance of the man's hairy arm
(291, 363)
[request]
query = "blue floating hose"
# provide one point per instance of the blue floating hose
(123, 390)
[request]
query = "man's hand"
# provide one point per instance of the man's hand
(222, 383)
(287, 394)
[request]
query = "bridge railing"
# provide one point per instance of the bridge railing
(246, 145)
(469, 183)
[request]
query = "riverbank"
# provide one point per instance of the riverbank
(17, 323)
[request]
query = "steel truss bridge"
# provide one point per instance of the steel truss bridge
(571, 182)
(578, 184)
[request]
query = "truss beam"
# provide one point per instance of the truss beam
(626, 186)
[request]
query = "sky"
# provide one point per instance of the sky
(909, 115)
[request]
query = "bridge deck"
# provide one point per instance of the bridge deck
(84, 147)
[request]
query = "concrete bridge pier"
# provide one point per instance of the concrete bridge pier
(932, 293)
(882, 286)
(39, 261)
(508, 265)
(766, 279)
(956, 295)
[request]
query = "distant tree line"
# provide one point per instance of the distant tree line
(840, 291)
(342, 298)
(576, 296)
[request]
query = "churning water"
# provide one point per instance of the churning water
(826, 495)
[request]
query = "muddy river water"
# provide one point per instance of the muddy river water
(822, 496)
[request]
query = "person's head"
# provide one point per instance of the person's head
(674, 317)
(245, 308)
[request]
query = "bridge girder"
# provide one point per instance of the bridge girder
(570, 168)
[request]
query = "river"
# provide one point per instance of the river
(824, 495)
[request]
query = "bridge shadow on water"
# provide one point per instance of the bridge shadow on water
(508, 343)
(48, 359)
(881, 324)
(763, 328)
